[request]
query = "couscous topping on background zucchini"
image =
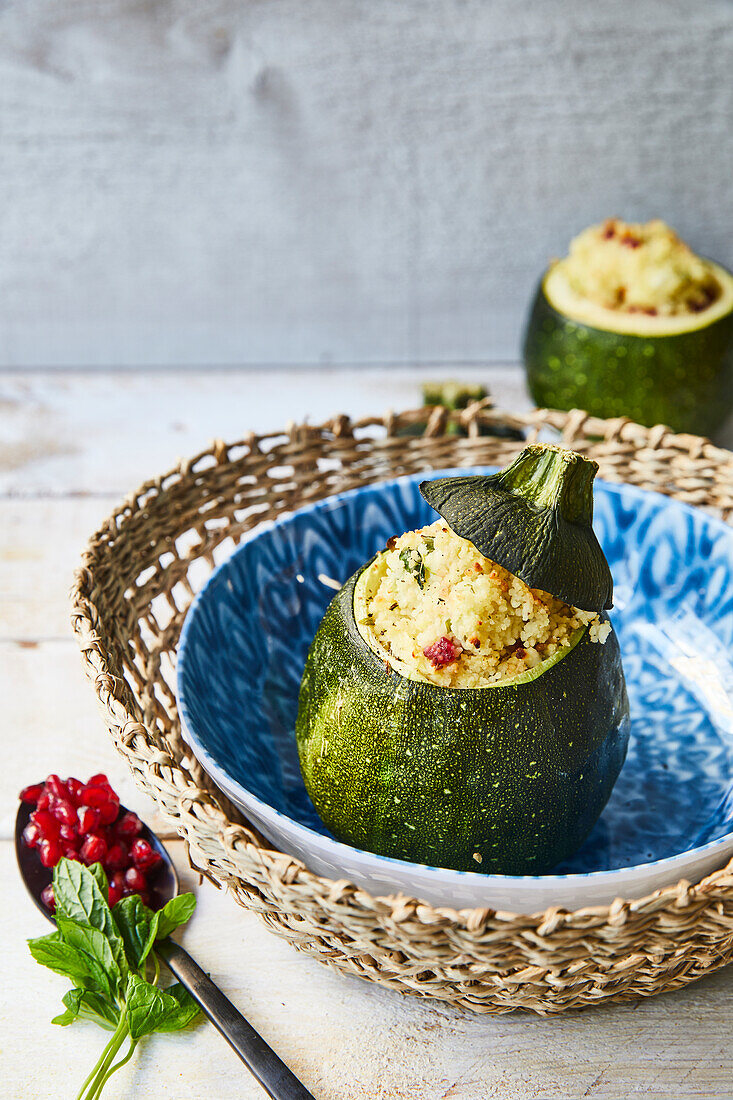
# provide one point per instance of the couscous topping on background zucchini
(638, 268)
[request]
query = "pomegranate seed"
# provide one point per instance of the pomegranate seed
(129, 825)
(135, 879)
(88, 819)
(63, 811)
(117, 857)
(118, 881)
(108, 812)
(48, 897)
(69, 834)
(50, 852)
(143, 855)
(98, 796)
(443, 652)
(114, 896)
(32, 834)
(32, 793)
(44, 799)
(75, 788)
(94, 849)
(92, 796)
(98, 780)
(139, 851)
(56, 786)
(46, 822)
(71, 851)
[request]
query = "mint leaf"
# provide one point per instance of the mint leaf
(184, 1014)
(63, 958)
(51, 951)
(134, 921)
(173, 914)
(176, 912)
(97, 872)
(146, 1007)
(65, 1018)
(81, 895)
(83, 1005)
(94, 948)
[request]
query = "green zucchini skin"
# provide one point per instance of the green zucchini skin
(684, 381)
(518, 773)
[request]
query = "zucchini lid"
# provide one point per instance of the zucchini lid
(534, 518)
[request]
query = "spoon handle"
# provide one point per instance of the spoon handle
(274, 1076)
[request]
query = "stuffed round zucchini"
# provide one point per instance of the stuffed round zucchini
(633, 323)
(463, 702)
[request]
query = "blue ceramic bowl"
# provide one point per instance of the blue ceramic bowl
(670, 816)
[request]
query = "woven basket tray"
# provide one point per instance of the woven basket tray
(131, 594)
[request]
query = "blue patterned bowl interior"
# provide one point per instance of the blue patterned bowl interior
(245, 641)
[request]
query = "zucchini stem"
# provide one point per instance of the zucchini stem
(553, 477)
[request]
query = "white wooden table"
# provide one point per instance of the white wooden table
(71, 445)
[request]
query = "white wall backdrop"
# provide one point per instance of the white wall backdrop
(305, 181)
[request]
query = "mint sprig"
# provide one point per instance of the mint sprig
(108, 954)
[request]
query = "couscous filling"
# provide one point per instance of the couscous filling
(638, 268)
(437, 607)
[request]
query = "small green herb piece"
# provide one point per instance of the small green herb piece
(106, 953)
(429, 542)
(413, 563)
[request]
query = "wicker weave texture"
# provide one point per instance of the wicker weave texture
(137, 579)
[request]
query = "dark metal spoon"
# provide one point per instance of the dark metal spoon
(274, 1076)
